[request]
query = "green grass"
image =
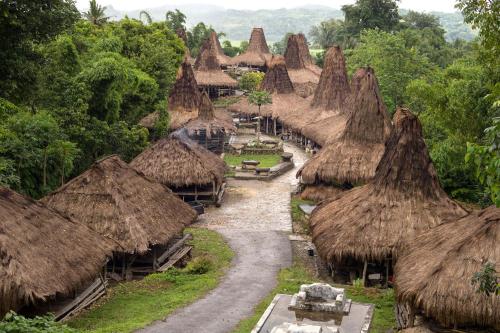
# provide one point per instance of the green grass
(266, 161)
(226, 101)
(135, 304)
(289, 281)
(301, 225)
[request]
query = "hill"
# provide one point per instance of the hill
(277, 22)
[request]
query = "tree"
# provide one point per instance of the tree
(96, 13)
(175, 20)
(280, 46)
(251, 81)
(331, 32)
(371, 14)
(196, 36)
(145, 16)
(229, 49)
(259, 98)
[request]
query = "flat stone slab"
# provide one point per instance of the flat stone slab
(357, 321)
(307, 209)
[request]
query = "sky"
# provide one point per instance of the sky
(419, 5)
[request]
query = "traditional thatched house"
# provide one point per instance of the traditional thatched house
(191, 171)
(181, 33)
(208, 130)
(370, 223)
(352, 158)
(223, 59)
(301, 68)
(184, 98)
(44, 254)
(208, 73)
(328, 118)
(434, 274)
(257, 54)
(119, 202)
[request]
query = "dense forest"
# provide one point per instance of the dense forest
(74, 85)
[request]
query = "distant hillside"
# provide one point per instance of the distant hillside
(276, 23)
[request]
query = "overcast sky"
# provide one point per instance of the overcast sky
(420, 5)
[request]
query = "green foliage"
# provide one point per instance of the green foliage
(196, 36)
(135, 304)
(280, 46)
(13, 323)
(487, 281)
(175, 20)
(395, 65)
(371, 14)
(299, 218)
(259, 98)
(199, 265)
(328, 33)
(96, 13)
(251, 81)
(229, 49)
(266, 161)
(486, 161)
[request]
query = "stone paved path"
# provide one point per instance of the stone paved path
(255, 220)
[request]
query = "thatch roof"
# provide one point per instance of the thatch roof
(354, 156)
(43, 253)
(181, 33)
(301, 68)
(184, 98)
(276, 79)
(333, 86)
(207, 67)
(320, 192)
(223, 59)
(119, 202)
(150, 120)
(177, 161)
(404, 199)
(435, 272)
(208, 121)
(257, 53)
(323, 127)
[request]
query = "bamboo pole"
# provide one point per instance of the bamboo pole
(365, 269)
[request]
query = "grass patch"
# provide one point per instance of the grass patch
(266, 161)
(290, 279)
(299, 220)
(135, 304)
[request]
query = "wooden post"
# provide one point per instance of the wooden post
(411, 316)
(155, 263)
(387, 263)
(267, 125)
(274, 124)
(365, 268)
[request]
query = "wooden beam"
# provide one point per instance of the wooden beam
(174, 248)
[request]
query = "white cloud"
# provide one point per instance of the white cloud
(420, 5)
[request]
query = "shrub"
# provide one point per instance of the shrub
(251, 81)
(14, 323)
(199, 265)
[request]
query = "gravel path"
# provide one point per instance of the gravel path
(255, 220)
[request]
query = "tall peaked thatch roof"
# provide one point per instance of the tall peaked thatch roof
(404, 199)
(207, 68)
(301, 68)
(435, 272)
(354, 156)
(276, 79)
(208, 121)
(177, 161)
(118, 202)
(43, 253)
(181, 33)
(333, 86)
(224, 60)
(184, 97)
(257, 53)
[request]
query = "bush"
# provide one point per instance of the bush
(199, 265)
(251, 80)
(14, 323)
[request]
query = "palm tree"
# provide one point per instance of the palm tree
(96, 13)
(259, 98)
(146, 16)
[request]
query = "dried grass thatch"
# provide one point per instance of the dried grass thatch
(404, 199)
(207, 121)
(120, 203)
(276, 79)
(322, 126)
(354, 156)
(301, 68)
(257, 53)
(223, 59)
(177, 161)
(208, 71)
(43, 253)
(320, 193)
(184, 98)
(434, 273)
(333, 87)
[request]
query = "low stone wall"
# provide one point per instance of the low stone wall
(262, 151)
(274, 172)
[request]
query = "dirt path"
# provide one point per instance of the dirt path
(255, 220)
